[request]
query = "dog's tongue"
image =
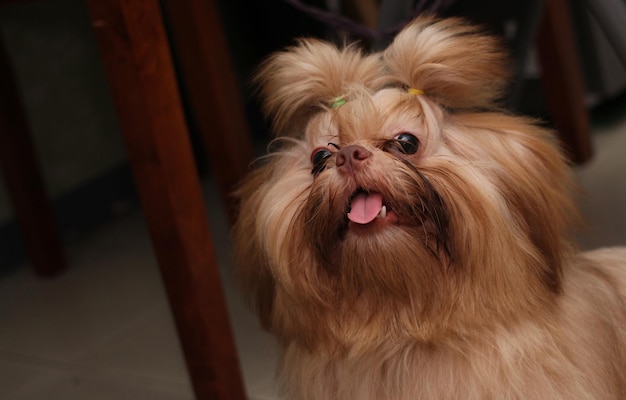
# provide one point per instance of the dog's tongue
(365, 207)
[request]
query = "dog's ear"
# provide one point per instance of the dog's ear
(296, 82)
(252, 272)
(535, 187)
(449, 60)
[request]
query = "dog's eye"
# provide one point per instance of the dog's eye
(318, 158)
(405, 143)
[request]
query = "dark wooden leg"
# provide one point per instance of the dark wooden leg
(24, 182)
(562, 80)
(211, 85)
(137, 60)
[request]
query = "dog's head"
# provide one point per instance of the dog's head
(399, 201)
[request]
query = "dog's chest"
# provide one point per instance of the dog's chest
(414, 373)
(395, 375)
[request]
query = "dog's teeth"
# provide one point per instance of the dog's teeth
(382, 213)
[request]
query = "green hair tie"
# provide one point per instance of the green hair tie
(338, 102)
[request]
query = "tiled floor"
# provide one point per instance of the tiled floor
(103, 330)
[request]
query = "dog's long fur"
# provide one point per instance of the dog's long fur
(471, 288)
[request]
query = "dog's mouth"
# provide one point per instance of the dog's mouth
(369, 212)
(375, 210)
(367, 207)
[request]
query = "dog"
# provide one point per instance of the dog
(408, 239)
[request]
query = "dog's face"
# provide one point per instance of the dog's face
(396, 203)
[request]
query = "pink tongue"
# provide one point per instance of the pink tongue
(365, 207)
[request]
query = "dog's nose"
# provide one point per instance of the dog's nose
(351, 158)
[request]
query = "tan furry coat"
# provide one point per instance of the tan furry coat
(409, 240)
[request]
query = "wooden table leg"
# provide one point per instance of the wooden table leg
(563, 81)
(24, 182)
(138, 63)
(213, 91)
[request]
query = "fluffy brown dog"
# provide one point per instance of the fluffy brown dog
(408, 240)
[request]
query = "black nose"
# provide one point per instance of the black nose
(351, 159)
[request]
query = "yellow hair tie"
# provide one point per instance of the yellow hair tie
(415, 91)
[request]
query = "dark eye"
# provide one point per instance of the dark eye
(406, 143)
(318, 159)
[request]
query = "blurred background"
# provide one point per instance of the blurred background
(102, 329)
